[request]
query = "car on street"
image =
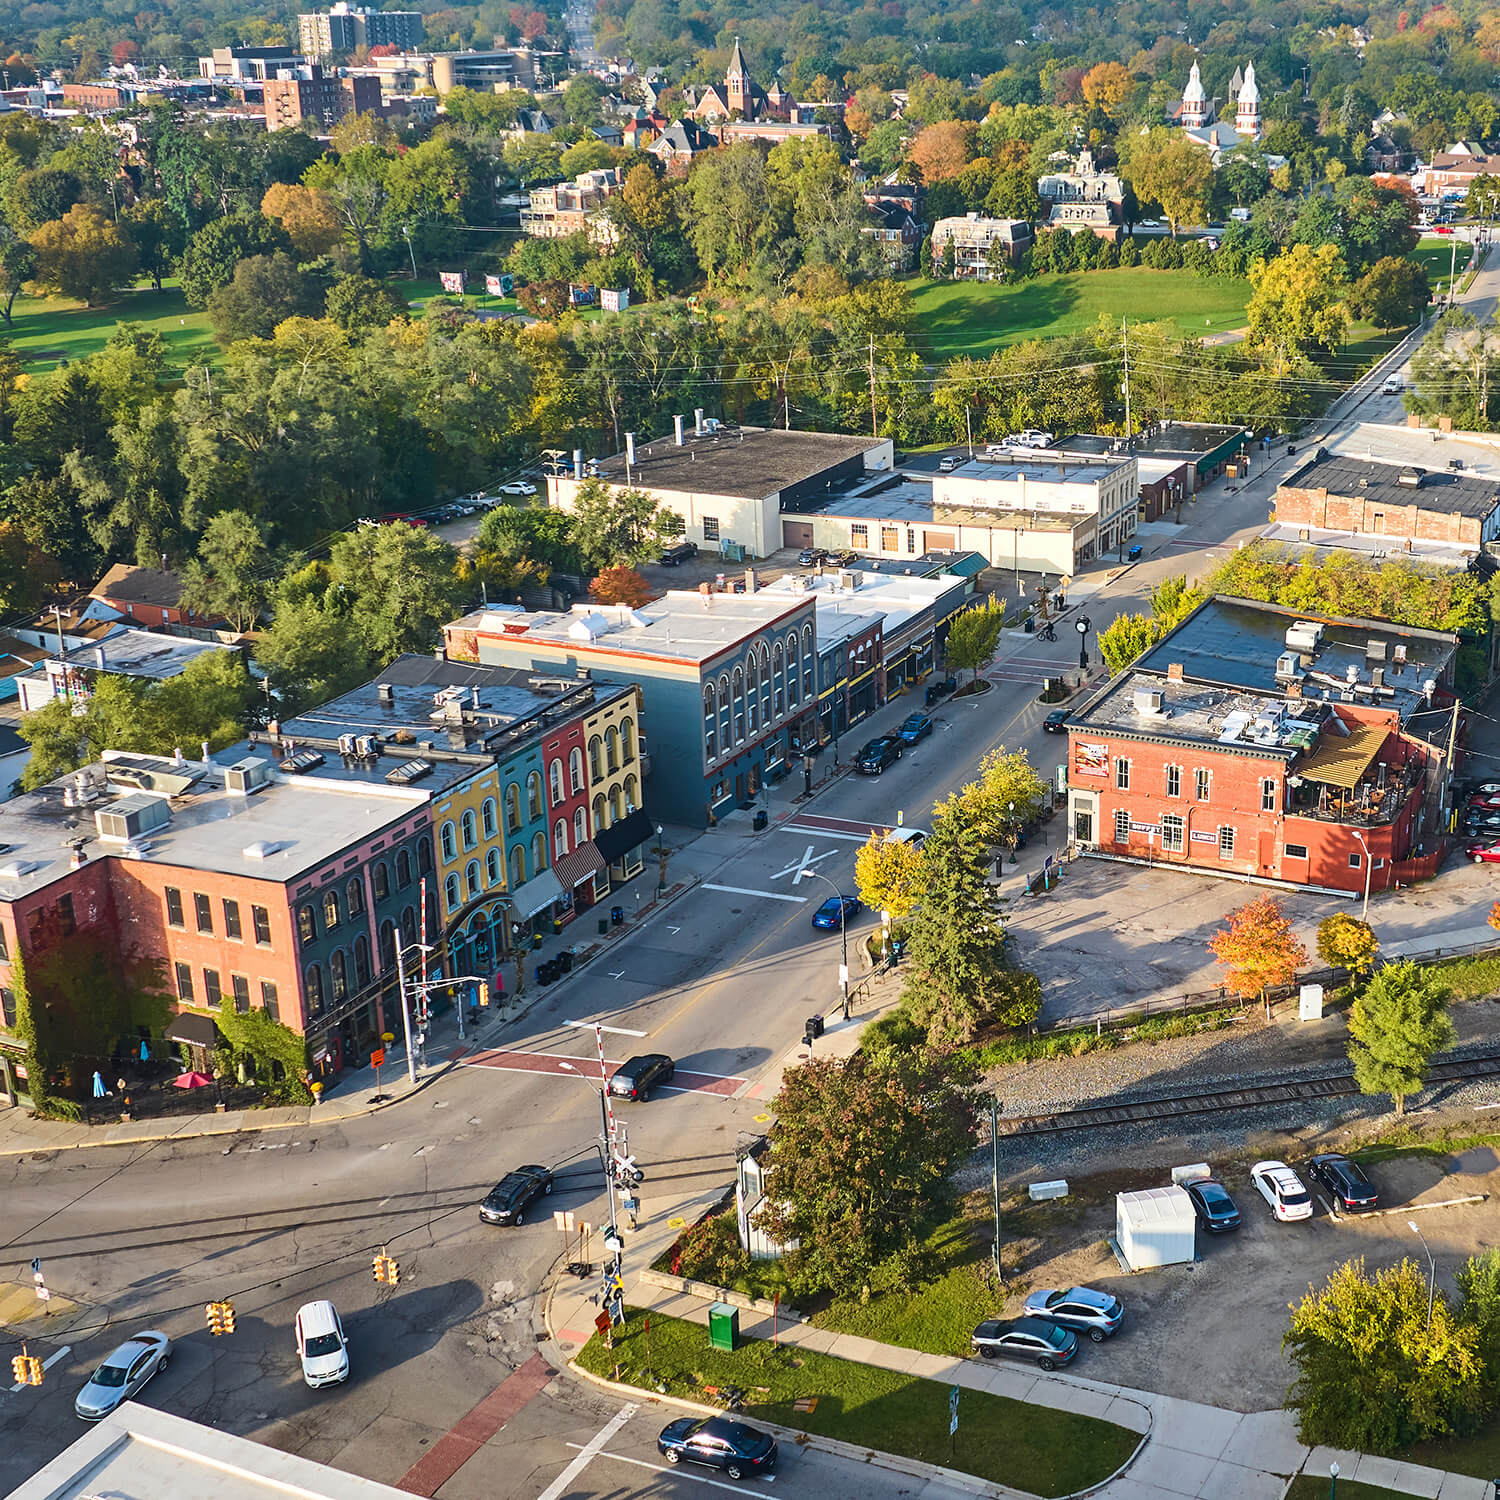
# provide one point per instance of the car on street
(505, 1203)
(1081, 1308)
(947, 464)
(635, 1078)
(321, 1345)
(518, 487)
(1485, 854)
(120, 1375)
(1217, 1211)
(1046, 1344)
(1392, 385)
(915, 727)
(1489, 800)
(874, 757)
(828, 915)
(1283, 1189)
(844, 559)
(681, 552)
(718, 1443)
(1345, 1181)
(916, 837)
(1056, 722)
(810, 556)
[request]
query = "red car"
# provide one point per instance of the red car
(1490, 801)
(1485, 854)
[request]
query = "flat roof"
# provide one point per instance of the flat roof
(1478, 452)
(749, 462)
(1440, 489)
(906, 499)
(894, 596)
(1164, 439)
(301, 821)
(681, 625)
(139, 653)
(1008, 468)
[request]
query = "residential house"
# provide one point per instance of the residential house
(575, 207)
(148, 596)
(679, 144)
(982, 247)
(121, 653)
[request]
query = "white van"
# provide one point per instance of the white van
(916, 837)
(1392, 386)
(321, 1345)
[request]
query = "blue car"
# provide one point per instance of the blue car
(827, 915)
(718, 1443)
(915, 727)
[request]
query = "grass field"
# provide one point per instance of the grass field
(45, 332)
(1315, 1487)
(974, 317)
(1434, 253)
(1033, 1448)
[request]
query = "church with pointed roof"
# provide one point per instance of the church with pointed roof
(740, 97)
(1198, 114)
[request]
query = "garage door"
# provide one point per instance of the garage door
(941, 541)
(796, 534)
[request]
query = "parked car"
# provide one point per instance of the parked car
(947, 464)
(1097, 1314)
(1481, 822)
(636, 1078)
(845, 559)
(718, 1443)
(1345, 1180)
(1056, 722)
(321, 1345)
(1486, 800)
(1046, 1344)
(505, 1203)
(837, 911)
(915, 727)
(518, 487)
(121, 1374)
(679, 552)
(810, 557)
(903, 835)
(1485, 854)
(1217, 1211)
(1283, 1189)
(878, 754)
(1485, 789)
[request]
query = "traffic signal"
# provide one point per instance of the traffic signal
(220, 1317)
(387, 1272)
(226, 1313)
(484, 992)
(26, 1368)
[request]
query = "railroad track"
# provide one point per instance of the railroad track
(1253, 1095)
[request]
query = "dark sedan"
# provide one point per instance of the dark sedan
(810, 556)
(1056, 722)
(837, 911)
(878, 754)
(636, 1078)
(505, 1203)
(1217, 1211)
(915, 727)
(1345, 1181)
(718, 1443)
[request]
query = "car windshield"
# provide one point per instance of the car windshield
(323, 1343)
(109, 1375)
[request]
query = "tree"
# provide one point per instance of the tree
(307, 215)
(27, 573)
(1395, 1025)
(974, 636)
(535, 533)
(621, 585)
(888, 875)
(1007, 795)
(1127, 637)
(613, 524)
(1107, 86)
(942, 150)
(1393, 293)
(230, 579)
(1296, 305)
(1258, 949)
(359, 302)
(1482, 201)
(859, 1154)
(40, 196)
(266, 290)
(403, 584)
(82, 255)
(1169, 168)
(1013, 195)
(1345, 942)
(18, 265)
(157, 234)
(212, 254)
(1371, 1373)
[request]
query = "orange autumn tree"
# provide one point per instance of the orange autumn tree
(1258, 949)
(621, 585)
(1494, 917)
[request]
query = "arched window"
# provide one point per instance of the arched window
(765, 686)
(471, 878)
(492, 867)
(596, 757)
(724, 710)
(489, 818)
(354, 896)
(710, 725)
(307, 922)
(580, 827)
(381, 880)
(601, 818)
(517, 867)
(450, 847)
(387, 943)
(330, 910)
(424, 855)
(512, 807)
(612, 748)
(560, 838)
(753, 705)
(403, 868)
(632, 790)
(778, 680)
(627, 740)
(534, 808)
(617, 803)
(470, 827)
(312, 982)
(739, 705)
(792, 695)
(339, 974)
(555, 781)
(409, 925)
(808, 690)
(361, 961)
(452, 892)
(539, 853)
(575, 769)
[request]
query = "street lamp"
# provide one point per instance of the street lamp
(661, 864)
(406, 230)
(1010, 824)
(1411, 1224)
(1083, 625)
(843, 938)
(1333, 1481)
(1364, 911)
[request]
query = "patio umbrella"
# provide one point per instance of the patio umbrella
(191, 1081)
(145, 1053)
(99, 1089)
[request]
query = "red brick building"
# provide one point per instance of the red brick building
(1254, 741)
(148, 596)
(95, 96)
(323, 98)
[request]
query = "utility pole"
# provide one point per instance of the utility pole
(1125, 338)
(995, 1177)
(969, 428)
(874, 424)
(1452, 740)
(411, 1060)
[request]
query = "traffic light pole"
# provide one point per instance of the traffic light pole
(411, 1057)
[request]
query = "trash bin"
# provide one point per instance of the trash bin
(814, 1027)
(760, 820)
(603, 926)
(617, 914)
(1028, 627)
(723, 1327)
(565, 962)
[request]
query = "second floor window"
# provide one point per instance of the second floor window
(232, 920)
(1174, 781)
(203, 908)
(174, 907)
(1122, 775)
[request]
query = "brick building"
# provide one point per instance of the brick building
(148, 596)
(323, 98)
(99, 98)
(1255, 741)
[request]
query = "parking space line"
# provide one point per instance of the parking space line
(740, 890)
(675, 1470)
(587, 1453)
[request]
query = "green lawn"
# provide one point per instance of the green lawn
(1032, 1448)
(1434, 253)
(974, 317)
(1478, 1456)
(44, 331)
(1315, 1487)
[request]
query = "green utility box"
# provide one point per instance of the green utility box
(723, 1327)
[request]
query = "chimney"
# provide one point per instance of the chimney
(1294, 688)
(385, 693)
(578, 463)
(677, 429)
(203, 746)
(697, 421)
(752, 583)
(99, 657)
(178, 758)
(1174, 671)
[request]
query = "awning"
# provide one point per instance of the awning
(192, 1029)
(629, 833)
(573, 869)
(541, 890)
(1342, 762)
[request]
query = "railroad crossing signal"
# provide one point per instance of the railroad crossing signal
(26, 1368)
(387, 1272)
(220, 1317)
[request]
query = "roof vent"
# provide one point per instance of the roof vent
(261, 849)
(15, 869)
(1410, 478)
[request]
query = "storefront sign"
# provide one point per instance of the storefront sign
(1206, 838)
(1091, 759)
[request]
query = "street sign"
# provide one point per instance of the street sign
(952, 1411)
(377, 1057)
(602, 1322)
(562, 1218)
(616, 1311)
(844, 974)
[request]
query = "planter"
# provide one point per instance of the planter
(707, 1292)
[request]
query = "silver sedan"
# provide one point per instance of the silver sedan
(122, 1374)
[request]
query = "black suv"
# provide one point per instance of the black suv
(505, 1203)
(681, 553)
(810, 555)
(1346, 1182)
(635, 1079)
(878, 754)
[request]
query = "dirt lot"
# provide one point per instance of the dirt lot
(1211, 1331)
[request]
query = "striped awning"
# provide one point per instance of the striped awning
(1343, 762)
(573, 869)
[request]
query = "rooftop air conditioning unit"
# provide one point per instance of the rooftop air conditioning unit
(248, 775)
(1148, 700)
(850, 578)
(1286, 667)
(130, 817)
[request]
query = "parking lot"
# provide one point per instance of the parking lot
(1212, 1330)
